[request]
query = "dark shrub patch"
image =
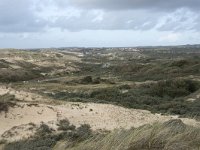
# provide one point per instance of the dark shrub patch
(174, 88)
(65, 125)
(7, 101)
(87, 80)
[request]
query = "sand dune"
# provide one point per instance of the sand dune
(99, 116)
(33, 108)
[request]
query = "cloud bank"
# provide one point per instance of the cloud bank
(43, 16)
(76, 15)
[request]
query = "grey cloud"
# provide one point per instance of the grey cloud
(177, 21)
(134, 15)
(125, 20)
(18, 16)
(137, 4)
(131, 20)
(36, 15)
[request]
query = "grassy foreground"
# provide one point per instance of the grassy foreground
(171, 135)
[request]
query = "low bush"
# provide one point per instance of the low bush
(7, 101)
(87, 80)
(39, 143)
(65, 125)
(174, 88)
(44, 130)
(84, 131)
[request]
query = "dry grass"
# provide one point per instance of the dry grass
(172, 135)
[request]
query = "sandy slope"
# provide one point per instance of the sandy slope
(99, 116)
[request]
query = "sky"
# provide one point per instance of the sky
(98, 23)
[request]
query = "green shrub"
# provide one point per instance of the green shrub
(7, 101)
(39, 143)
(174, 88)
(44, 130)
(65, 125)
(180, 63)
(84, 131)
(87, 80)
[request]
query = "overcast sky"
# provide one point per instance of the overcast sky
(65, 23)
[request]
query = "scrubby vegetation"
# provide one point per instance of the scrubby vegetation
(46, 138)
(11, 75)
(164, 96)
(173, 88)
(157, 65)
